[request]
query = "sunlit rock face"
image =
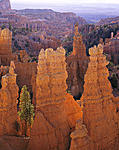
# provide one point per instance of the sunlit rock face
(73, 111)
(99, 111)
(5, 5)
(6, 55)
(98, 129)
(80, 138)
(50, 124)
(8, 102)
(56, 112)
(5, 42)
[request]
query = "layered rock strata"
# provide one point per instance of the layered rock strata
(77, 64)
(80, 138)
(5, 42)
(6, 55)
(99, 111)
(8, 103)
(73, 111)
(51, 122)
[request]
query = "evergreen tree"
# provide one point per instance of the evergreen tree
(26, 108)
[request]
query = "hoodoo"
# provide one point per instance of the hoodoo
(77, 64)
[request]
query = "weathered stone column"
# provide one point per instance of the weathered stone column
(8, 103)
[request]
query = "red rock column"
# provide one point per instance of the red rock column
(78, 46)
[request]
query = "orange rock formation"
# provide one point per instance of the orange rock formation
(24, 56)
(93, 121)
(6, 55)
(50, 113)
(56, 115)
(111, 47)
(78, 46)
(52, 123)
(80, 138)
(73, 111)
(3, 71)
(8, 102)
(23, 68)
(77, 64)
(5, 42)
(99, 109)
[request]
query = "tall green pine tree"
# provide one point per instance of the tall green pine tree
(26, 108)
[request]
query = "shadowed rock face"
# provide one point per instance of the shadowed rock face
(77, 64)
(4, 145)
(5, 5)
(111, 47)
